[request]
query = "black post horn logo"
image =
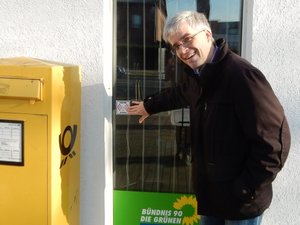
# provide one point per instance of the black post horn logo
(67, 150)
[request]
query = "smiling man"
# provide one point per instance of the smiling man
(240, 136)
(194, 49)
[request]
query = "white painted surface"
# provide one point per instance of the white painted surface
(72, 31)
(275, 51)
(79, 32)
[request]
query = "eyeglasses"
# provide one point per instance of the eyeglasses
(185, 43)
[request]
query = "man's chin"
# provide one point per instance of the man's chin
(193, 65)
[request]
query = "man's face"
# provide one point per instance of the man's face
(192, 46)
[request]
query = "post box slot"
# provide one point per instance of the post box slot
(21, 88)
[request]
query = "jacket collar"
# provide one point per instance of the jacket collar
(222, 50)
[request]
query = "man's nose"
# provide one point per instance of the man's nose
(182, 49)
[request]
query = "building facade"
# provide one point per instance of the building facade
(114, 41)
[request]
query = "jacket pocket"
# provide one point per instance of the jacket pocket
(224, 168)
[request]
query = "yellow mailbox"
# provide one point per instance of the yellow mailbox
(39, 142)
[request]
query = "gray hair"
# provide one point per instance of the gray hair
(194, 19)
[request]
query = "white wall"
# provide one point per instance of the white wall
(72, 31)
(78, 32)
(275, 50)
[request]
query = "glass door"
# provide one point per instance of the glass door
(155, 157)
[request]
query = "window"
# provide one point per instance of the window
(156, 155)
(136, 21)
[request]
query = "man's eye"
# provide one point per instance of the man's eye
(176, 47)
(187, 40)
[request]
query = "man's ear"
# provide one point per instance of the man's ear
(208, 35)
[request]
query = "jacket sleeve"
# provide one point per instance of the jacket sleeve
(168, 99)
(266, 129)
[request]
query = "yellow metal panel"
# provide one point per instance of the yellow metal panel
(24, 188)
(58, 85)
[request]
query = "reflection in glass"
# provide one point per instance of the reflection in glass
(155, 156)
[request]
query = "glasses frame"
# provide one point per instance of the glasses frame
(185, 42)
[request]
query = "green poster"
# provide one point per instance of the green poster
(151, 208)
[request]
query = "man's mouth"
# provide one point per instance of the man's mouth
(189, 56)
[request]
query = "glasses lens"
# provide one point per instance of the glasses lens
(185, 43)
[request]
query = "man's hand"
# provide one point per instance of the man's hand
(138, 108)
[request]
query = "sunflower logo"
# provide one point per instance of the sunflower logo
(189, 206)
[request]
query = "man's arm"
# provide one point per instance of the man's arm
(264, 124)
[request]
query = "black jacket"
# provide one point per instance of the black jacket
(240, 136)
